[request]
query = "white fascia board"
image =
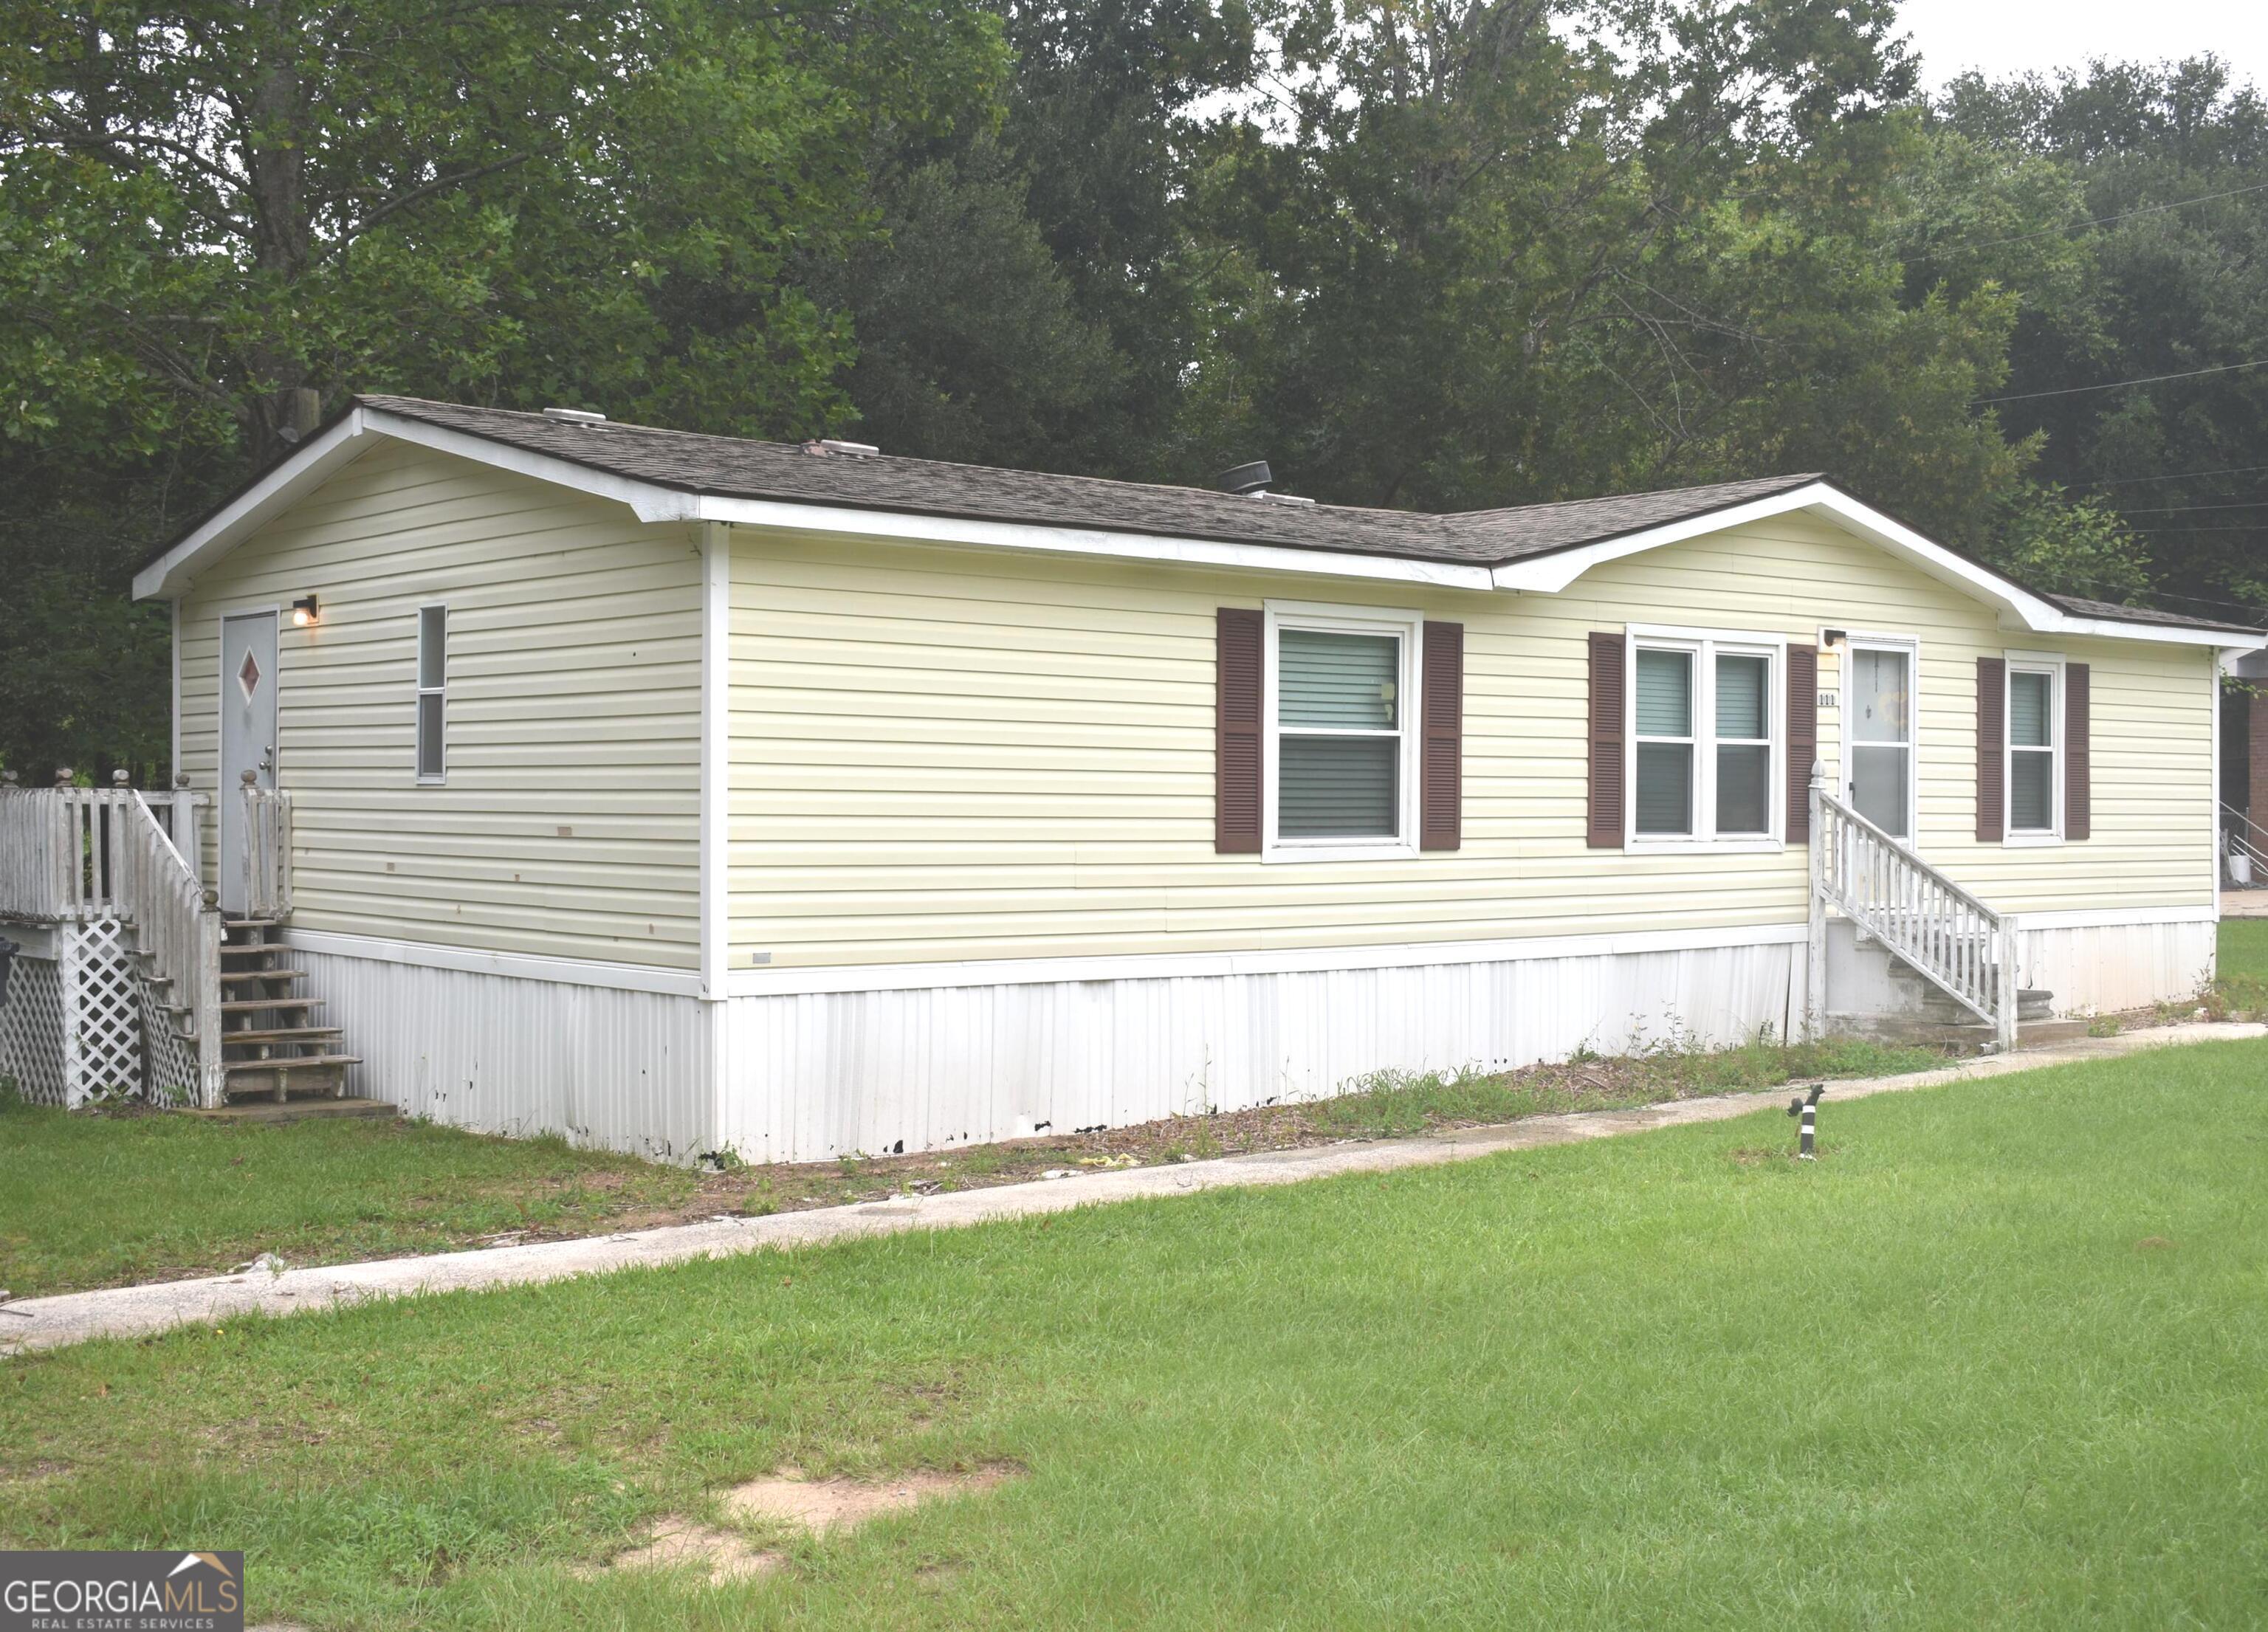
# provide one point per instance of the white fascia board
(926, 529)
(650, 500)
(1550, 574)
(2019, 608)
(168, 577)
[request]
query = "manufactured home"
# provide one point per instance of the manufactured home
(683, 793)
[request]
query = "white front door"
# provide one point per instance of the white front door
(247, 736)
(1878, 746)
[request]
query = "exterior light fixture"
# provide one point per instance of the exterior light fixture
(305, 611)
(1831, 635)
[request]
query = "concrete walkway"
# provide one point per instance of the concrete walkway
(134, 1311)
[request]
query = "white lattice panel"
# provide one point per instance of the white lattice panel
(31, 1031)
(103, 996)
(173, 1074)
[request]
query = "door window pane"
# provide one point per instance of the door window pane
(1878, 787)
(1665, 693)
(1880, 699)
(1743, 789)
(1336, 787)
(1336, 682)
(1665, 787)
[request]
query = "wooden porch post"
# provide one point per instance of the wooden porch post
(1815, 943)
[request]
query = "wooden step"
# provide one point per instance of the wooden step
(239, 1005)
(249, 923)
(284, 1033)
(251, 949)
(238, 976)
(290, 1062)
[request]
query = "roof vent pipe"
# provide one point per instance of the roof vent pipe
(575, 416)
(1247, 478)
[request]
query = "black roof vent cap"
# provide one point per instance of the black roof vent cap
(1247, 478)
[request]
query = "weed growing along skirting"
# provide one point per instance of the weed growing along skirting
(1995, 1359)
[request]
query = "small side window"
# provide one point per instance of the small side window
(432, 692)
(2033, 750)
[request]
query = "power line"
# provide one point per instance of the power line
(2161, 530)
(2156, 595)
(2182, 510)
(2179, 475)
(2124, 214)
(2113, 385)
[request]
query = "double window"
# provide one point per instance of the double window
(2035, 748)
(1705, 731)
(1341, 765)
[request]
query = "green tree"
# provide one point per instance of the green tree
(217, 220)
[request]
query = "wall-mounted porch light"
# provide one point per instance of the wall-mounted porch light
(305, 611)
(1830, 636)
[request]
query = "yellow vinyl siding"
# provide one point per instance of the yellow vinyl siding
(957, 754)
(574, 679)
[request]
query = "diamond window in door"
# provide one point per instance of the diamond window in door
(248, 676)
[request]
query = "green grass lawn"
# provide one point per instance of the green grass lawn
(98, 1200)
(2243, 966)
(105, 1200)
(1996, 1360)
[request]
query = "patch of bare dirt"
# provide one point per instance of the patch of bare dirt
(790, 1501)
(820, 1506)
(720, 1554)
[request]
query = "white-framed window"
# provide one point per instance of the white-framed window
(2034, 762)
(1707, 742)
(1341, 765)
(1880, 706)
(432, 693)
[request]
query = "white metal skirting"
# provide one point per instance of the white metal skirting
(2099, 967)
(812, 1076)
(627, 1070)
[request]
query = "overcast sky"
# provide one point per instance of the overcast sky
(2011, 36)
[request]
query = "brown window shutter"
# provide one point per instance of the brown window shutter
(1992, 750)
(2078, 774)
(1802, 737)
(1440, 775)
(1239, 643)
(1608, 756)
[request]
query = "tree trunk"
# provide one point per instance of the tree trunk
(275, 168)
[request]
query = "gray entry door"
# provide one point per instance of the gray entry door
(247, 736)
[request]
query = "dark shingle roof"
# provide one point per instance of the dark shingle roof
(734, 467)
(738, 467)
(2084, 608)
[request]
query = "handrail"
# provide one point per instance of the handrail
(2241, 832)
(84, 855)
(266, 852)
(154, 890)
(1946, 934)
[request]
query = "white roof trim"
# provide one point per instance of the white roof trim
(2019, 607)
(170, 575)
(913, 526)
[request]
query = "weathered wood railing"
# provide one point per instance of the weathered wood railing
(267, 851)
(160, 897)
(79, 855)
(1947, 936)
(61, 847)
